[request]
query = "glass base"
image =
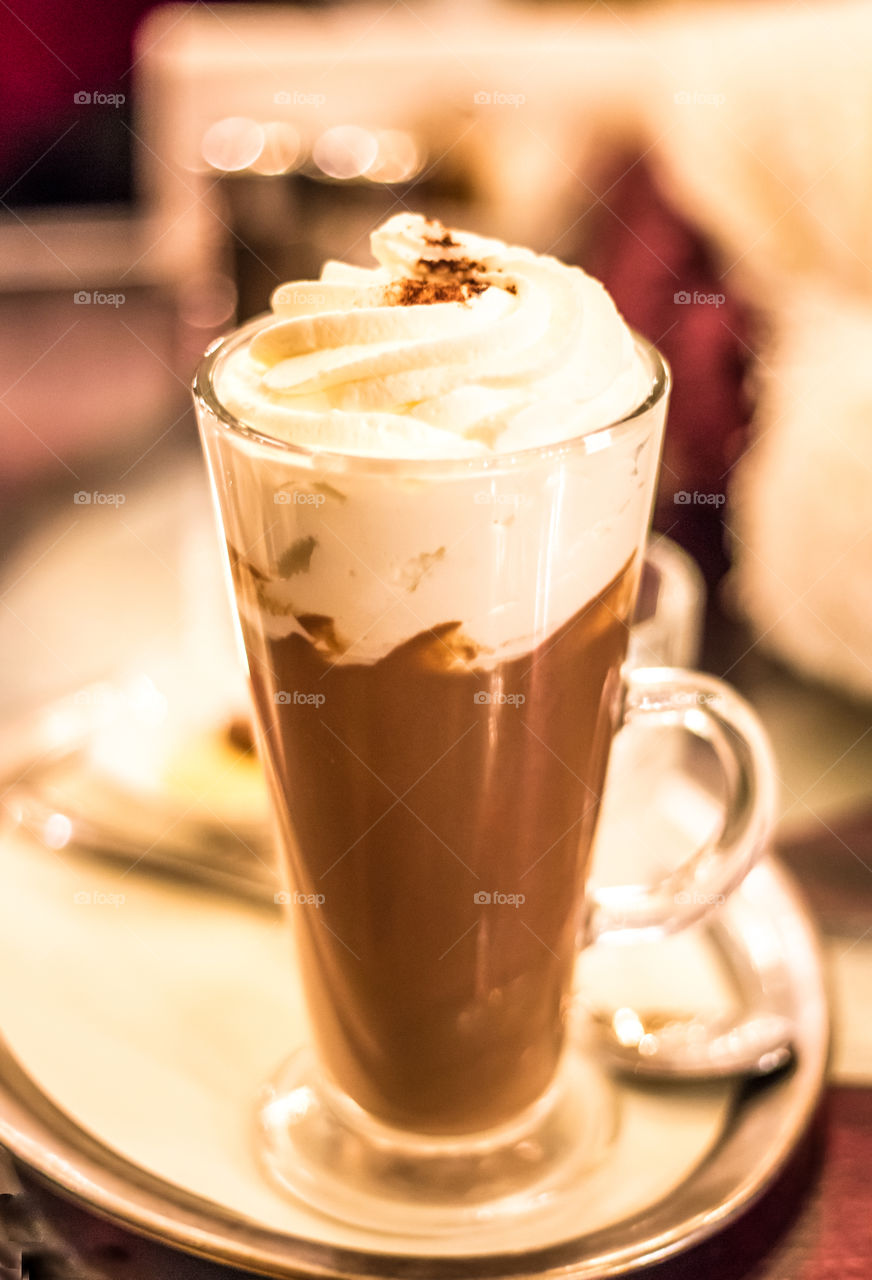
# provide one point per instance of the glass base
(327, 1151)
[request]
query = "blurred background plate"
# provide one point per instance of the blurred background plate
(139, 1031)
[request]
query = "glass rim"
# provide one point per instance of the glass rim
(590, 441)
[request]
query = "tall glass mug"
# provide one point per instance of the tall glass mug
(435, 652)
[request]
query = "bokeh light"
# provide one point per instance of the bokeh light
(232, 144)
(398, 158)
(281, 151)
(345, 151)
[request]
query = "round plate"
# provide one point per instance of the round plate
(757, 1128)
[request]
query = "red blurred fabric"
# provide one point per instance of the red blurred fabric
(815, 1223)
(53, 49)
(646, 253)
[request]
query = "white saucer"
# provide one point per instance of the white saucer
(139, 1029)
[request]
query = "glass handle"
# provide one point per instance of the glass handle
(709, 709)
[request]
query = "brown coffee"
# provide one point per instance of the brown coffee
(437, 820)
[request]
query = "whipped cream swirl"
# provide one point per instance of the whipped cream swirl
(455, 345)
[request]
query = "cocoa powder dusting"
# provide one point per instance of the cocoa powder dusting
(460, 267)
(412, 292)
(441, 279)
(439, 235)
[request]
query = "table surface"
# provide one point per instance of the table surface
(815, 1222)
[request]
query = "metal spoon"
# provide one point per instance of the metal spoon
(665, 1046)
